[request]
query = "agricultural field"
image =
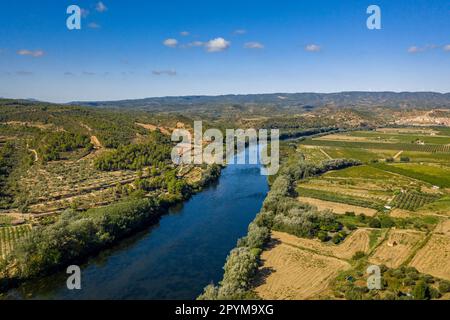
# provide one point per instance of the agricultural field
(290, 272)
(10, 236)
(337, 208)
(397, 248)
(381, 136)
(394, 207)
(354, 142)
(404, 169)
(57, 185)
(434, 257)
(298, 268)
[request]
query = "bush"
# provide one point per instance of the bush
(444, 286)
(239, 268)
(358, 255)
(421, 291)
(338, 237)
(323, 236)
(386, 222)
(375, 223)
(256, 236)
(350, 226)
(434, 293)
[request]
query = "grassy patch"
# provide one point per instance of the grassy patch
(433, 175)
(334, 197)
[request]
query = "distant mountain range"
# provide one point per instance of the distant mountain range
(286, 100)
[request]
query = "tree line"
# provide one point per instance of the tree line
(280, 208)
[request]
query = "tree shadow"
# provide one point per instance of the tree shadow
(264, 272)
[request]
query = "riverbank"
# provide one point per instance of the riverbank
(76, 236)
(174, 258)
(243, 261)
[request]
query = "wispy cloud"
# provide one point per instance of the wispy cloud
(253, 45)
(69, 74)
(313, 48)
(24, 73)
(88, 73)
(240, 31)
(94, 25)
(100, 7)
(217, 45)
(164, 72)
(447, 48)
(32, 53)
(184, 33)
(193, 44)
(171, 43)
(416, 49)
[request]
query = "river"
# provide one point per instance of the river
(174, 259)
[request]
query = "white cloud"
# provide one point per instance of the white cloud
(447, 48)
(88, 73)
(32, 53)
(253, 45)
(68, 73)
(100, 7)
(184, 33)
(414, 49)
(313, 48)
(93, 25)
(164, 72)
(172, 43)
(217, 45)
(240, 31)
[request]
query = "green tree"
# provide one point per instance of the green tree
(421, 291)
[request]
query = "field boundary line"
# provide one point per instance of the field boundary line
(385, 237)
(417, 247)
(398, 154)
(326, 154)
(312, 250)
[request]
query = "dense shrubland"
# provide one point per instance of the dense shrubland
(50, 145)
(14, 160)
(155, 151)
(403, 283)
(76, 235)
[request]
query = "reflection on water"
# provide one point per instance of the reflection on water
(175, 259)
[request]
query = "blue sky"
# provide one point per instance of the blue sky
(126, 49)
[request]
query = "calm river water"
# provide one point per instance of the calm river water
(174, 259)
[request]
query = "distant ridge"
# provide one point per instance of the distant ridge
(306, 99)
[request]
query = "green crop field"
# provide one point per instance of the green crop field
(360, 172)
(413, 200)
(434, 175)
(363, 155)
(380, 146)
(400, 137)
(340, 198)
